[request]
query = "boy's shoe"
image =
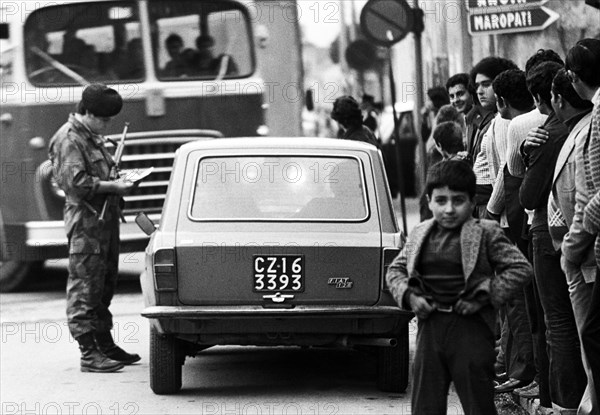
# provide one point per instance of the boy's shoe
(510, 385)
(499, 367)
(530, 391)
(501, 377)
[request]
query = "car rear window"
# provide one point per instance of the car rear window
(279, 188)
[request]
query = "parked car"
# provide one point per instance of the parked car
(274, 241)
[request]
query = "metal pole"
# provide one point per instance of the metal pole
(396, 136)
(420, 103)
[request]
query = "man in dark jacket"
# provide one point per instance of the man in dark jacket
(346, 111)
(566, 376)
(479, 118)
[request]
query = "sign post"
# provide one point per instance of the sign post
(385, 23)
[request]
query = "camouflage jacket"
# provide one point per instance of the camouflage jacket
(80, 161)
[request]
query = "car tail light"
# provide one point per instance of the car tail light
(165, 270)
(388, 256)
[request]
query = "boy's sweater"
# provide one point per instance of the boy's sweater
(494, 269)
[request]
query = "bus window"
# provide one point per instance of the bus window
(79, 43)
(205, 40)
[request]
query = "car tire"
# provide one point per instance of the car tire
(392, 365)
(166, 361)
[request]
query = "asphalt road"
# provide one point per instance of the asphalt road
(40, 374)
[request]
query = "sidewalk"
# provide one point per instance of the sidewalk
(532, 406)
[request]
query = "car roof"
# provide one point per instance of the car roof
(306, 143)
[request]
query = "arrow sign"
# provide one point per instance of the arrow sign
(511, 21)
(476, 6)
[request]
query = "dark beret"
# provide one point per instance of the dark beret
(101, 100)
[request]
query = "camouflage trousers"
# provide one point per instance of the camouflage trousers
(91, 285)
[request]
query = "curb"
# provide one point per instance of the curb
(532, 406)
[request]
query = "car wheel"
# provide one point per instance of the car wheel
(392, 365)
(166, 361)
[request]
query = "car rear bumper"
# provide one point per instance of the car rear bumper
(208, 312)
(302, 325)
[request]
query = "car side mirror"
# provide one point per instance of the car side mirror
(310, 99)
(4, 31)
(145, 223)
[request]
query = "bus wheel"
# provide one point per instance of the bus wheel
(15, 274)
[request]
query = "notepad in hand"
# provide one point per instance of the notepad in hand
(135, 175)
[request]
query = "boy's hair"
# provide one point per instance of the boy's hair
(462, 79)
(346, 111)
(562, 85)
(447, 113)
(438, 96)
(459, 79)
(491, 67)
(511, 87)
(539, 80)
(456, 174)
(448, 135)
(542, 55)
(583, 58)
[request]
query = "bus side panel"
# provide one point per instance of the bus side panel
(233, 115)
(280, 65)
(20, 179)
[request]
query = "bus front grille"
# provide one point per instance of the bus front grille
(153, 149)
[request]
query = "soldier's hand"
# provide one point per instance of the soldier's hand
(536, 137)
(123, 188)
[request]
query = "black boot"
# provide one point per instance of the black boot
(92, 359)
(107, 345)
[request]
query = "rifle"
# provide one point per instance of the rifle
(114, 174)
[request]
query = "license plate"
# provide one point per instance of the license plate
(272, 273)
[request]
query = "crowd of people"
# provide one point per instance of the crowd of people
(532, 139)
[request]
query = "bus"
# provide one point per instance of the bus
(187, 70)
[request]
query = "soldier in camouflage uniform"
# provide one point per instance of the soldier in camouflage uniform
(82, 168)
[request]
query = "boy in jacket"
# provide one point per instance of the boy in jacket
(453, 272)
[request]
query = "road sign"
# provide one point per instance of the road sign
(516, 21)
(386, 22)
(361, 55)
(486, 5)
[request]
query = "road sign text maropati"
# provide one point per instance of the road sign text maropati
(496, 20)
(473, 5)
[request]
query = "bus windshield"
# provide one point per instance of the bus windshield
(102, 42)
(201, 40)
(94, 42)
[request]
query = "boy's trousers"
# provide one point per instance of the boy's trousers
(459, 349)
